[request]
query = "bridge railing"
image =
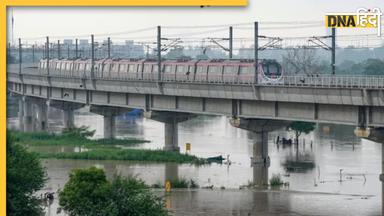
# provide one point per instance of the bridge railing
(317, 81)
(334, 81)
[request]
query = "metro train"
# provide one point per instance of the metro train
(218, 70)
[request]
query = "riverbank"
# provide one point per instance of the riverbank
(99, 149)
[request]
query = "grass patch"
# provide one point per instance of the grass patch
(276, 181)
(51, 139)
(127, 154)
(178, 183)
(100, 149)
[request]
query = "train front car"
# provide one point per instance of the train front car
(270, 72)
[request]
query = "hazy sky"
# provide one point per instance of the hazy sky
(31, 22)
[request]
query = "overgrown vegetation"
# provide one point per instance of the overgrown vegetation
(25, 176)
(89, 193)
(70, 138)
(101, 149)
(276, 181)
(127, 154)
(178, 183)
(83, 132)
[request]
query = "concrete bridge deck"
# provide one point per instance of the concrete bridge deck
(333, 99)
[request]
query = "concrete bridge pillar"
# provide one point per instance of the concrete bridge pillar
(27, 115)
(68, 110)
(376, 135)
(109, 114)
(69, 118)
(170, 120)
(260, 160)
(171, 172)
(21, 114)
(109, 126)
(41, 121)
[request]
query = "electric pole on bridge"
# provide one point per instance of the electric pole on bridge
(33, 53)
(256, 47)
(109, 47)
(159, 52)
(58, 49)
(92, 55)
(47, 54)
(67, 51)
(20, 56)
(333, 49)
(230, 42)
(76, 48)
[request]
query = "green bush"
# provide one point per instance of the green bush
(25, 176)
(276, 181)
(89, 193)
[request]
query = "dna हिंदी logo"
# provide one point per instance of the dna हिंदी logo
(362, 18)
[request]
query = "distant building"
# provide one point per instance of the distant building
(83, 43)
(68, 42)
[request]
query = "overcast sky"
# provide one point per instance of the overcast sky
(31, 22)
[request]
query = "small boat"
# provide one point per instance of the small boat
(218, 159)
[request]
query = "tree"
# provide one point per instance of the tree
(81, 132)
(25, 176)
(302, 61)
(301, 127)
(88, 192)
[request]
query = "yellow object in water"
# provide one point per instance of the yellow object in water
(167, 186)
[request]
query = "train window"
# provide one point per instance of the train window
(115, 68)
(168, 69)
(271, 70)
(231, 69)
(123, 68)
(106, 68)
(201, 69)
(246, 70)
(147, 68)
(182, 69)
(155, 68)
(132, 68)
(88, 67)
(81, 66)
(214, 69)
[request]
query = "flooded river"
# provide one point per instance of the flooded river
(333, 152)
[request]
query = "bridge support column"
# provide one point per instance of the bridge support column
(41, 121)
(69, 118)
(171, 172)
(109, 126)
(170, 120)
(376, 135)
(260, 160)
(68, 110)
(21, 114)
(27, 115)
(109, 114)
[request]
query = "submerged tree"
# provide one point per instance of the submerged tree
(25, 176)
(89, 193)
(301, 127)
(81, 132)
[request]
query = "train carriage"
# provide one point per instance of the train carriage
(213, 71)
(179, 70)
(149, 71)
